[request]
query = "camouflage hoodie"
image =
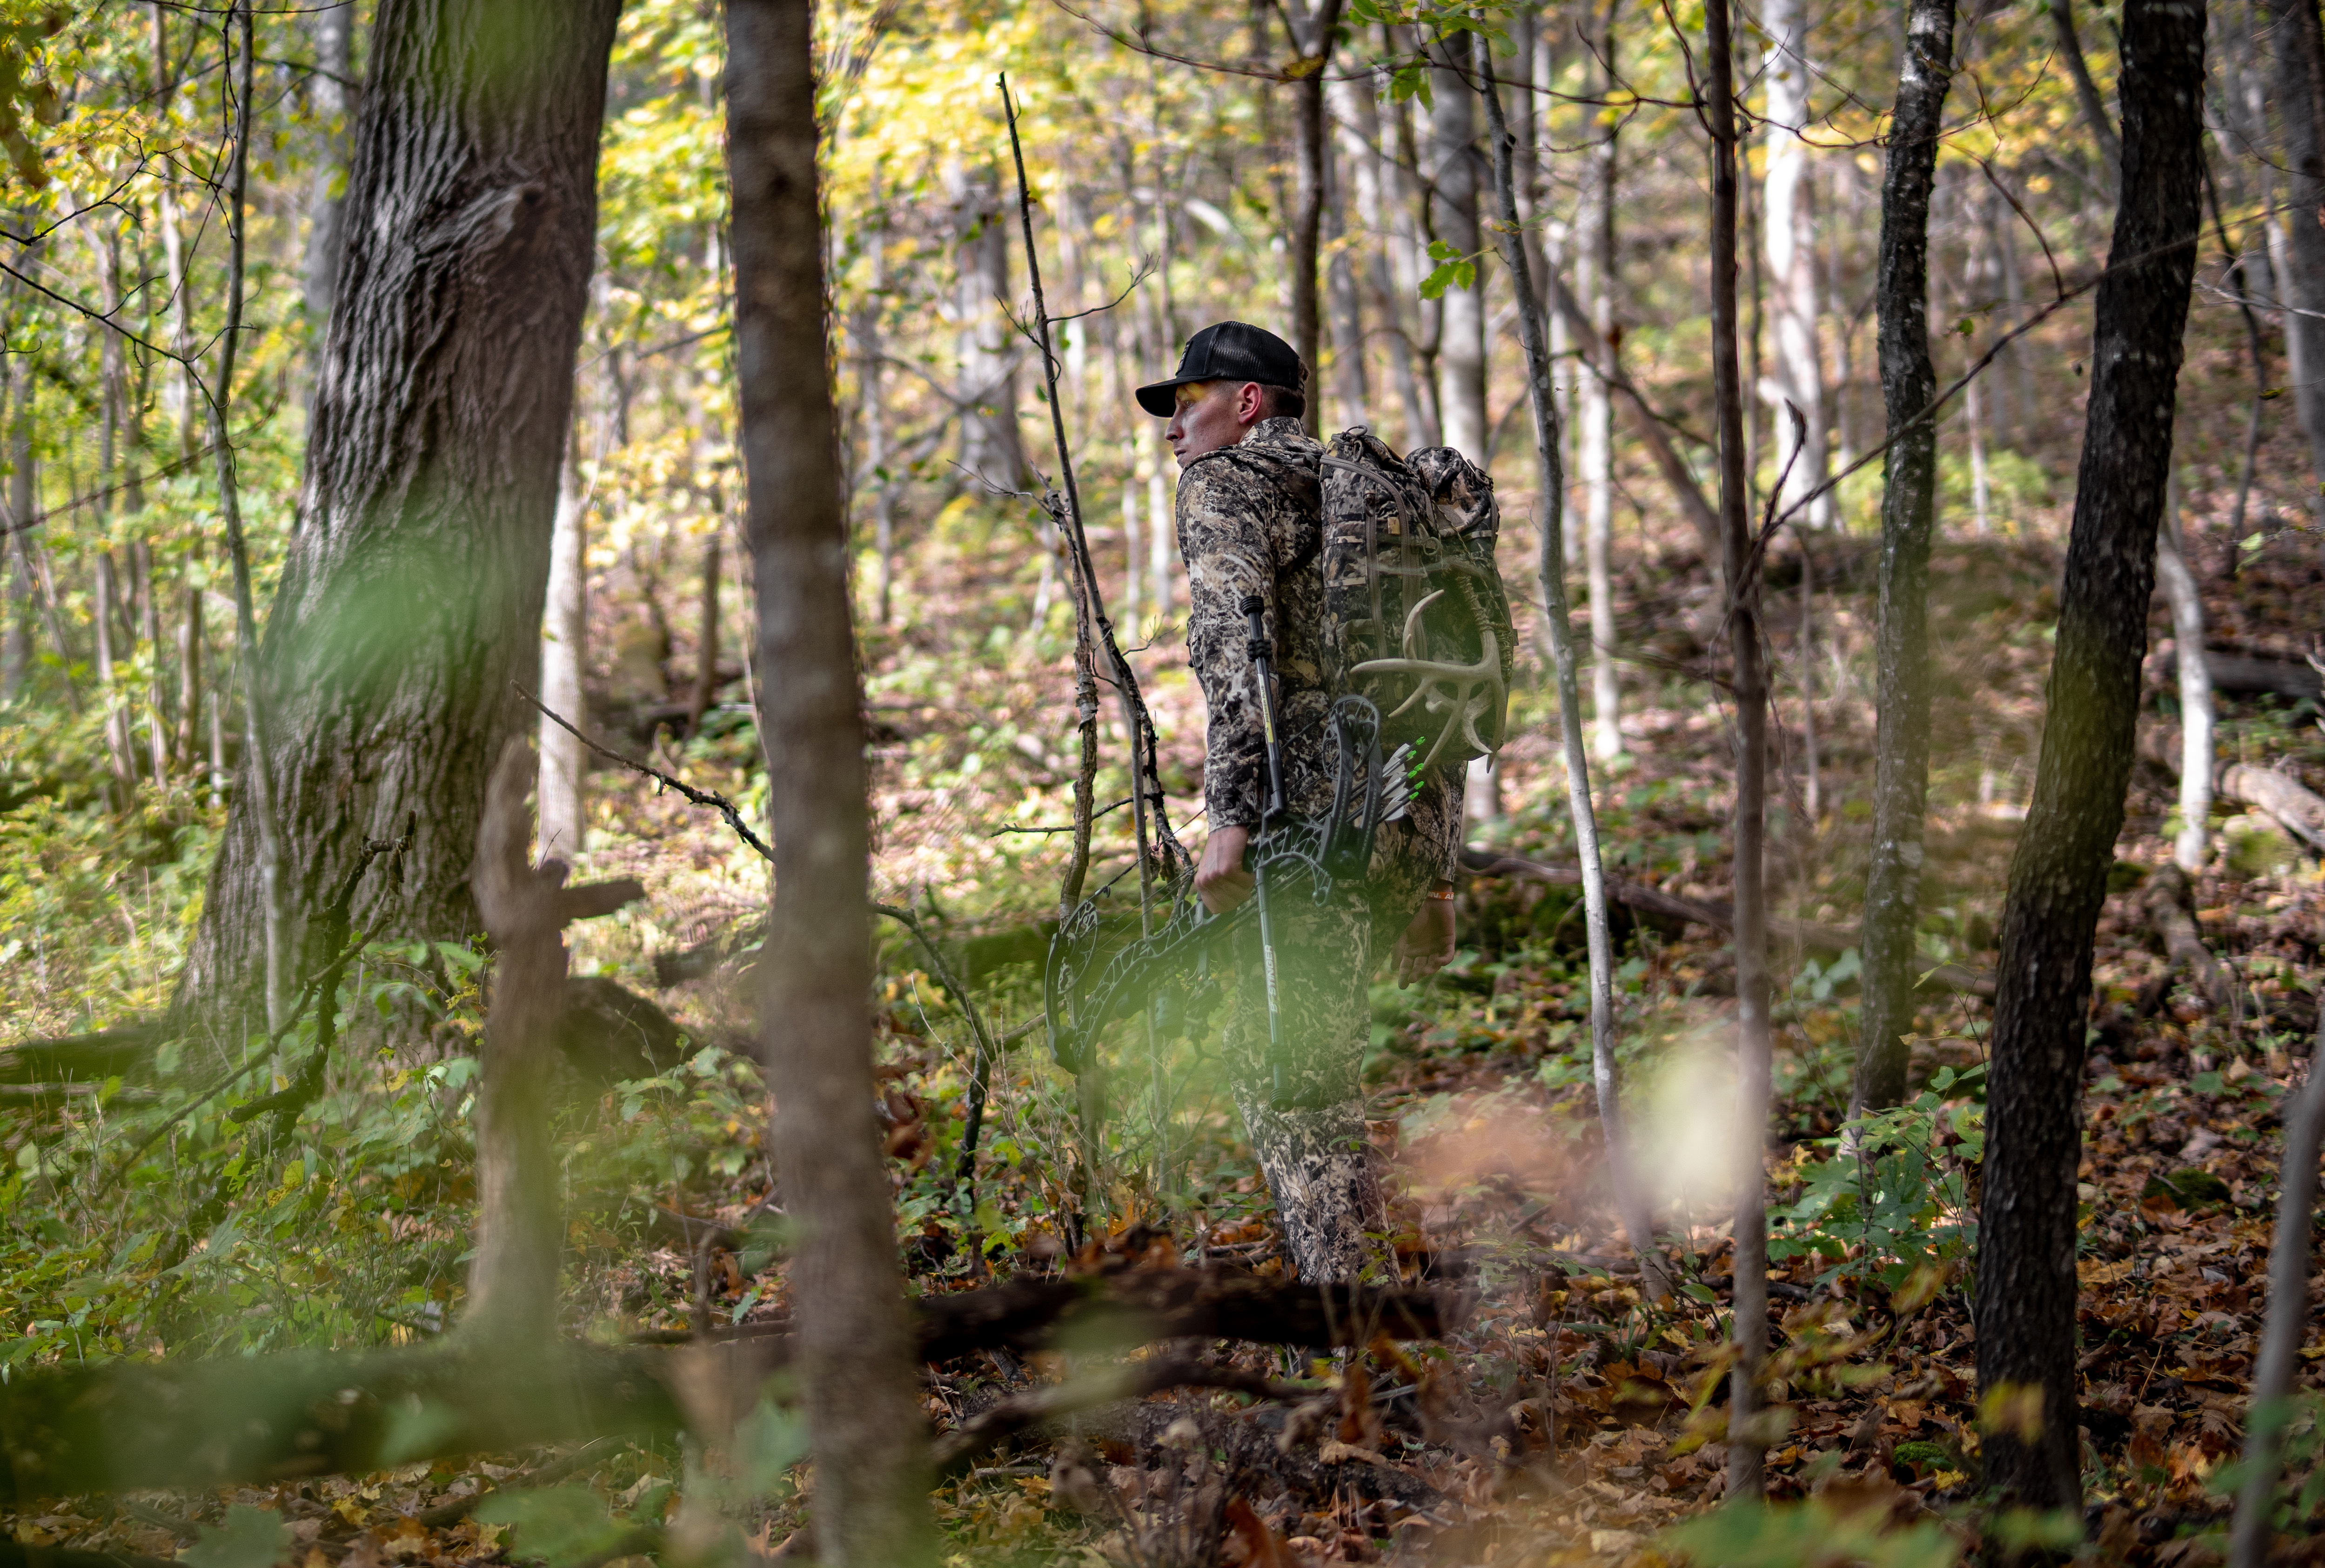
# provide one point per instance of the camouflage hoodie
(1251, 521)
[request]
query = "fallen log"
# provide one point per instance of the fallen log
(2295, 808)
(129, 1426)
(1009, 1417)
(2242, 674)
(2170, 902)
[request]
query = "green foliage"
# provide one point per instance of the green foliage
(1901, 1205)
(1819, 1533)
(248, 1538)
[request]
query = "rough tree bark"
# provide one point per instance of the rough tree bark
(2026, 1311)
(564, 651)
(855, 1342)
(1909, 382)
(412, 595)
(2299, 43)
(1311, 30)
(1747, 1456)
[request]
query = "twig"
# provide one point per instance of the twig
(710, 798)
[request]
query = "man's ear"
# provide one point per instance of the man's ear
(1249, 399)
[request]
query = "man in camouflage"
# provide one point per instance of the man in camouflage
(1250, 521)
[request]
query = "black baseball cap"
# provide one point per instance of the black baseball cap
(1227, 351)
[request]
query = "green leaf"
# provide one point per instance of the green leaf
(249, 1538)
(551, 1525)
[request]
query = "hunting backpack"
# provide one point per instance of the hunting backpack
(1416, 615)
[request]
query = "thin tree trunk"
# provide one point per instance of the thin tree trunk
(2288, 1316)
(1909, 384)
(334, 28)
(1313, 36)
(991, 444)
(1747, 1456)
(411, 598)
(185, 746)
(853, 1340)
(1630, 1205)
(104, 606)
(1596, 272)
(706, 642)
(2192, 847)
(1358, 112)
(1788, 237)
(1453, 213)
(2086, 91)
(2300, 50)
(2026, 1311)
(564, 655)
(173, 245)
(512, 1278)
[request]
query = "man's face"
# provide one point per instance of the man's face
(1212, 414)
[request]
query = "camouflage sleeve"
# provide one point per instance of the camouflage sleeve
(1223, 539)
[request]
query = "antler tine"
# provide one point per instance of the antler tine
(1469, 683)
(1412, 625)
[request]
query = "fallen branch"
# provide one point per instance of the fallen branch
(2295, 808)
(130, 1426)
(2245, 675)
(2169, 900)
(1134, 1381)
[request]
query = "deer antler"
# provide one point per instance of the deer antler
(1474, 689)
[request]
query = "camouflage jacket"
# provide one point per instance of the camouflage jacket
(1250, 521)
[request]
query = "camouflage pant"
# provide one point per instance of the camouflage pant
(1303, 1105)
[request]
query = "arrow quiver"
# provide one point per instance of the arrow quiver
(1099, 970)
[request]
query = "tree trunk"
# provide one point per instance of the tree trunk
(2058, 875)
(2086, 91)
(706, 642)
(1357, 109)
(334, 28)
(1312, 35)
(185, 745)
(855, 1342)
(2300, 104)
(564, 655)
(991, 445)
(1596, 408)
(1788, 238)
(2270, 1411)
(1630, 1204)
(1909, 383)
(1453, 217)
(16, 613)
(413, 590)
(2193, 845)
(1746, 1454)
(116, 709)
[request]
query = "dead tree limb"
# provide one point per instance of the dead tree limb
(1108, 1386)
(2170, 902)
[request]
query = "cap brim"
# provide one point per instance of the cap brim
(1157, 400)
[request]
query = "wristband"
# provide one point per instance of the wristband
(1443, 895)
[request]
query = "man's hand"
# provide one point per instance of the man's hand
(1427, 944)
(1220, 878)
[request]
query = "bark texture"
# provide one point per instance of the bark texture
(2299, 44)
(2193, 845)
(854, 1337)
(2057, 875)
(413, 590)
(1313, 36)
(1788, 240)
(1909, 382)
(1596, 259)
(1747, 1456)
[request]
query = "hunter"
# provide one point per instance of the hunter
(1250, 521)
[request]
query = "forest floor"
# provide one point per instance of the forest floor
(1569, 1420)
